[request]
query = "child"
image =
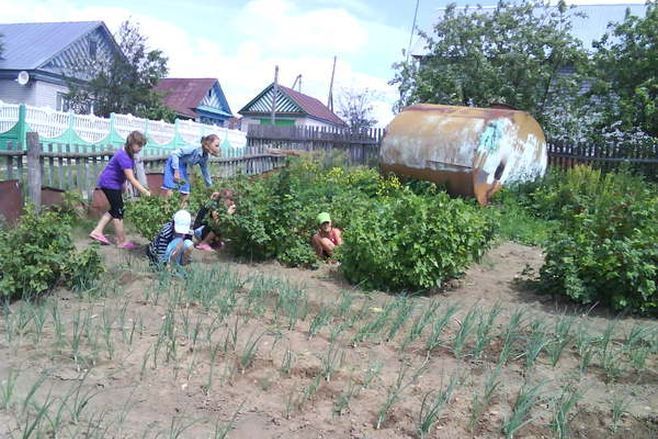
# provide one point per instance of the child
(206, 231)
(175, 171)
(111, 181)
(327, 237)
(173, 244)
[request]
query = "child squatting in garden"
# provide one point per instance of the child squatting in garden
(176, 172)
(327, 237)
(207, 229)
(173, 244)
(111, 182)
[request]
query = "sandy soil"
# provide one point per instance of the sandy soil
(146, 379)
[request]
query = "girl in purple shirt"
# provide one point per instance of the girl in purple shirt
(111, 180)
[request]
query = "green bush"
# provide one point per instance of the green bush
(275, 216)
(40, 253)
(414, 242)
(148, 214)
(605, 249)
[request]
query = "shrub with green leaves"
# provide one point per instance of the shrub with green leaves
(148, 214)
(42, 253)
(414, 242)
(605, 248)
(275, 217)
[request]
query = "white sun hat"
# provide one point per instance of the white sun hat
(182, 222)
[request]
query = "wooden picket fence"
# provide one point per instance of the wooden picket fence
(65, 167)
(643, 159)
(359, 147)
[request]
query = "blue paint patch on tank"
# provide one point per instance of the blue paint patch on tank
(493, 133)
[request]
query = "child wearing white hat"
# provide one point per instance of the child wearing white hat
(173, 244)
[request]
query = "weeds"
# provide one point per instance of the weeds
(510, 335)
(430, 408)
(618, 407)
(376, 325)
(419, 324)
(586, 349)
(321, 319)
(288, 361)
(372, 372)
(480, 403)
(342, 403)
(250, 350)
(562, 407)
(520, 416)
(536, 343)
(466, 326)
(395, 390)
(483, 332)
(561, 339)
(434, 339)
(332, 361)
(405, 308)
(8, 387)
(80, 400)
(223, 429)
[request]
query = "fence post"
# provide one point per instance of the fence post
(34, 169)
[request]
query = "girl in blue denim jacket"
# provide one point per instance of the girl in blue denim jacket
(175, 171)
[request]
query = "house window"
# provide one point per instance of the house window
(62, 103)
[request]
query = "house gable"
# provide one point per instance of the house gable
(54, 51)
(195, 98)
(215, 101)
(290, 103)
(262, 104)
(81, 58)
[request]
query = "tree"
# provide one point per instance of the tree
(355, 108)
(625, 69)
(123, 83)
(512, 54)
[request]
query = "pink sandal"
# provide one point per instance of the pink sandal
(128, 245)
(100, 238)
(205, 247)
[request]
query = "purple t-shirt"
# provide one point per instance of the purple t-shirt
(113, 176)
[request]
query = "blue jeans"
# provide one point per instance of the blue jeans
(172, 246)
(168, 179)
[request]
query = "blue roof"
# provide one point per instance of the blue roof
(29, 45)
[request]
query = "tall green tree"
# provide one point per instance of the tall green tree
(513, 54)
(625, 68)
(124, 83)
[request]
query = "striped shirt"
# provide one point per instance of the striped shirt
(158, 247)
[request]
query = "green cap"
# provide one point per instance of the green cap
(323, 218)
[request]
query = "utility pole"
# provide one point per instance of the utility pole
(330, 101)
(298, 78)
(275, 91)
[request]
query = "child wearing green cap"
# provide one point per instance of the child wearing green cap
(327, 237)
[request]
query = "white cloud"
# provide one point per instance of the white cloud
(264, 33)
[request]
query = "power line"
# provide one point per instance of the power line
(413, 27)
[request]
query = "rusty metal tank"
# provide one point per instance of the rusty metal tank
(472, 151)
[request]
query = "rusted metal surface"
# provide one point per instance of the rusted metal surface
(472, 151)
(11, 201)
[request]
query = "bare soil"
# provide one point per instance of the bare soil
(148, 355)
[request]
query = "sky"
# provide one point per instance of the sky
(240, 42)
